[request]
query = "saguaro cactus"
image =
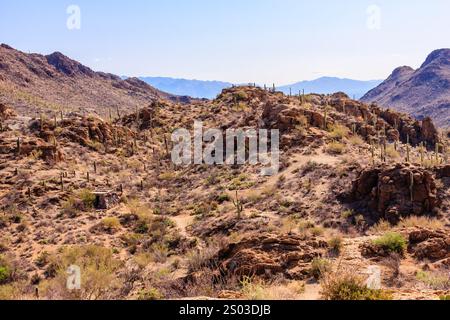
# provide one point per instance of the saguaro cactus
(422, 154)
(411, 185)
(437, 153)
(18, 146)
(372, 150)
(238, 205)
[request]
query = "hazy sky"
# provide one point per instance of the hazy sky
(262, 41)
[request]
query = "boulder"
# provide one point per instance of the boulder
(267, 255)
(396, 191)
(6, 112)
(430, 245)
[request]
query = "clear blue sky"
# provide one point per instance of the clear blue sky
(262, 41)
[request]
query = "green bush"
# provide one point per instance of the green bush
(150, 294)
(349, 287)
(392, 242)
(320, 267)
(88, 198)
(4, 274)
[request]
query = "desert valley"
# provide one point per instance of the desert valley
(87, 180)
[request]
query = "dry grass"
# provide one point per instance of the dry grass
(423, 222)
(335, 148)
(339, 132)
(344, 285)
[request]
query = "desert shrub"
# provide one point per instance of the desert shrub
(356, 140)
(335, 148)
(87, 198)
(434, 280)
(347, 214)
(310, 166)
(42, 259)
(110, 224)
(98, 273)
(167, 176)
(5, 270)
(319, 268)
(339, 132)
(392, 153)
(199, 259)
(12, 291)
(241, 95)
(159, 252)
(381, 227)
(345, 285)
(221, 198)
(4, 274)
(336, 244)
(317, 231)
(392, 242)
(253, 289)
(150, 295)
(240, 183)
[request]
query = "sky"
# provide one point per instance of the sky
(240, 41)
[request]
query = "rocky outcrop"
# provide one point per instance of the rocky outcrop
(6, 112)
(367, 121)
(268, 255)
(393, 192)
(429, 245)
(86, 131)
(37, 148)
(146, 118)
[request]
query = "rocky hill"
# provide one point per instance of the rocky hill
(33, 83)
(424, 92)
(360, 188)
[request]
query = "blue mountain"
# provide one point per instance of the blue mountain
(325, 85)
(210, 89)
(184, 87)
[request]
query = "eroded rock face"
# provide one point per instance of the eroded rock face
(86, 131)
(430, 245)
(146, 118)
(33, 147)
(267, 255)
(6, 112)
(396, 191)
(367, 121)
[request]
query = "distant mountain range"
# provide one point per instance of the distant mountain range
(184, 87)
(325, 85)
(424, 92)
(210, 89)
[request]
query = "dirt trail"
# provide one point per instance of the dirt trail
(183, 221)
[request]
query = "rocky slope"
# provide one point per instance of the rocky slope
(33, 83)
(103, 194)
(359, 187)
(424, 92)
